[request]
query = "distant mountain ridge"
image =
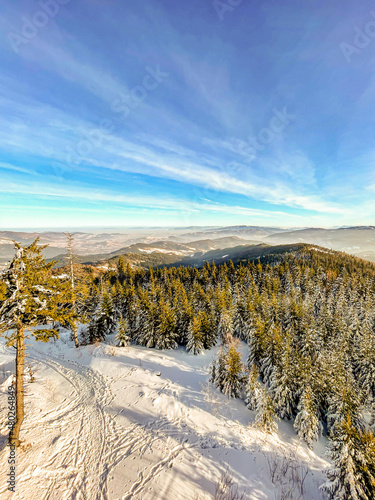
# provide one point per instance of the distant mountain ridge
(357, 240)
(190, 242)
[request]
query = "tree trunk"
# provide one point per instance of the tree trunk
(72, 284)
(75, 334)
(20, 363)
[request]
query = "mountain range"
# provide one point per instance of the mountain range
(189, 246)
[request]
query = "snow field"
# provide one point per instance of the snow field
(108, 423)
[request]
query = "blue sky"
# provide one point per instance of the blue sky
(199, 112)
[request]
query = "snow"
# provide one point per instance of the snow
(104, 422)
(320, 250)
(162, 250)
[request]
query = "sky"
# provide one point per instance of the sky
(181, 113)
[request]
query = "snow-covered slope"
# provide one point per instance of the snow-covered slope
(133, 423)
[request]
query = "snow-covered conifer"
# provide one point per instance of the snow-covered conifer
(351, 477)
(307, 424)
(221, 368)
(208, 329)
(253, 389)
(165, 333)
(283, 384)
(225, 328)
(365, 362)
(212, 372)
(344, 400)
(266, 417)
(123, 337)
(195, 340)
(240, 320)
(146, 326)
(233, 374)
(31, 298)
(102, 322)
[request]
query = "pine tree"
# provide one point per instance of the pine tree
(121, 269)
(208, 329)
(253, 389)
(146, 324)
(33, 297)
(225, 329)
(283, 384)
(107, 314)
(77, 292)
(103, 320)
(307, 423)
(165, 333)
(93, 332)
(233, 374)
(221, 368)
(123, 338)
(368, 446)
(344, 401)
(195, 337)
(183, 312)
(352, 477)
(266, 417)
(241, 320)
(256, 343)
(212, 372)
(365, 362)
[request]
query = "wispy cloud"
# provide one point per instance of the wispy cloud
(188, 142)
(94, 196)
(15, 168)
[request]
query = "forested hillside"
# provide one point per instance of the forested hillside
(309, 321)
(308, 318)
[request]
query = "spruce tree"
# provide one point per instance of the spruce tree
(253, 389)
(225, 328)
(257, 342)
(307, 423)
(208, 329)
(121, 269)
(146, 325)
(241, 320)
(266, 417)
(123, 337)
(103, 321)
(212, 372)
(365, 361)
(283, 383)
(344, 401)
(166, 334)
(195, 337)
(33, 297)
(367, 438)
(221, 368)
(233, 373)
(352, 476)
(77, 292)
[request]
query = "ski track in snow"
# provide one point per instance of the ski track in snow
(92, 446)
(87, 448)
(98, 446)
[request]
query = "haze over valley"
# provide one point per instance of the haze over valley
(162, 246)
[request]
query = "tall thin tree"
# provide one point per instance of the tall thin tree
(33, 298)
(72, 280)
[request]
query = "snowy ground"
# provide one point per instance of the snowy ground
(133, 423)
